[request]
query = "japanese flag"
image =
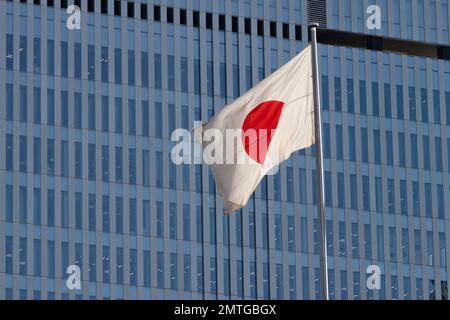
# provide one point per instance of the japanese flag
(259, 130)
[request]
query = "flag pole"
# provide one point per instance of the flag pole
(319, 165)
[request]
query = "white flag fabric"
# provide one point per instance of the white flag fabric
(269, 122)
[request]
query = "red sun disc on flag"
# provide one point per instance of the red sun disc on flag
(258, 129)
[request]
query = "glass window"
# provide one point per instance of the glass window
(64, 59)
(401, 150)
(9, 148)
(118, 65)
(132, 166)
(364, 145)
(184, 74)
(119, 167)
(64, 109)
(50, 57)
(92, 212)
(91, 161)
(133, 215)
(366, 193)
(403, 197)
(186, 223)
(416, 198)
(105, 163)
(23, 53)
(104, 64)
(78, 160)
(159, 220)
(92, 263)
(399, 93)
(105, 213)
(392, 244)
(145, 168)
(50, 107)
(362, 97)
(9, 199)
(353, 192)
(23, 154)
(277, 230)
(405, 246)
(50, 207)
(133, 267)
(9, 51)
(119, 215)
(173, 271)
(146, 217)
(145, 119)
(50, 258)
(9, 102)
(106, 264)
(77, 61)
(37, 257)
(91, 62)
(160, 269)
(64, 158)
(78, 210)
(380, 243)
(147, 268)
(23, 104)
(23, 204)
(37, 105)
(412, 103)
(131, 68)
(144, 69)
(64, 209)
(157, 70)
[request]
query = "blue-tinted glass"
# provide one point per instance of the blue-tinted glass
(105, 163)
(160, 269)
(325, 94)
(77, 110)
(159, 169)
(375, 100)
(414, 157)
(91, 161)
(106, 264)
(37, 206)
(366, 193)
(92, 263)
(424, 104)
(362, 97)
(119, 214)
(119, 167)
(9, 51)
(438, 153)
(36, 55)
(131, 68)
(37, 105)
(104, 64)
(9, 201)
(64, 209)
(158, 120)
(64, 158)
(399, 91)
(118, 115)
(159, 219)
(380, 243)
(105, 114)
(9, 151)
(132, 215)
(377, 146)
(118, 65)
(171, 72)
(92, 212)
(364, 145)
(146, 269)
(37, 257)
(392, 244)
(157, 70)
(105, 214)
(23, 158)
(196, 76)
(64, 59)
(133, 267)
(50, 57)
(132, 166)
(389, 149)
(64, 109)
(412, 103)
(77, 66)
(78, 210)
(338, 94)
(426, 152)
(145, 119)
(403, 197)
(23, 208)
(144, 69)
(405, 246)
(401, 150)
(50, 207)
(120, 266)
(436, 107)
(91, 62)
(51, 258)
(9, 102)
(387, 101)
(23, 104)
(23, 53)
(391, 195)
(350, 97)
(50, 107)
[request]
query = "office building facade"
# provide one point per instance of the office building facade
(86, 176)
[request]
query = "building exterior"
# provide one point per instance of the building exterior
(86, 177)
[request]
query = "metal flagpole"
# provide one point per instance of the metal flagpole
(319, 165)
